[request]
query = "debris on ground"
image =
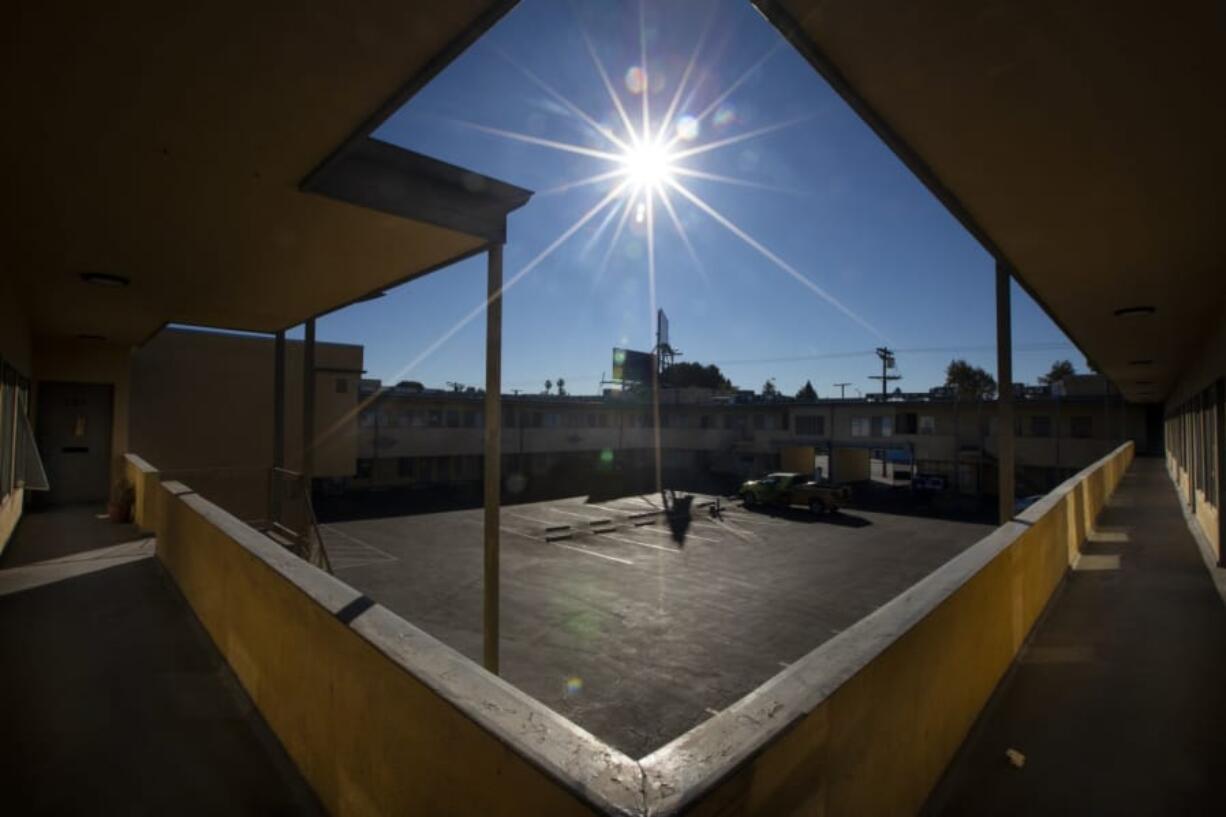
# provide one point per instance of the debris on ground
(1015, 757)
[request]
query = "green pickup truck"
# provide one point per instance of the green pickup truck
(785, 489)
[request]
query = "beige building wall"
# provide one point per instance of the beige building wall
(204, 400)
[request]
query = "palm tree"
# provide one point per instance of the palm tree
(548, 386)
(561, 387)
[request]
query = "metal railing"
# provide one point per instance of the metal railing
(291, 517)
(274, 501)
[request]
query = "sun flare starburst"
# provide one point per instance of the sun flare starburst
(648, 165)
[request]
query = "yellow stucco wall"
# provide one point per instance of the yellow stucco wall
(145, 481)
(368, 736)
(879, 742)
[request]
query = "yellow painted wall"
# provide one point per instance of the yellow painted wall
(368, 736)
(850, 465)
(15, 349)
(145, 481)
(797, 458)
(880, 741)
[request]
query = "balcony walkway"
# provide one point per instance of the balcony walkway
(1119, 701)
(113, 698)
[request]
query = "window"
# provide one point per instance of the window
(882, 426)
(414, 419)
(707, 421)
(435, 418)
(404, 466)
(453, 418)
(811, 425)
(759, 422)
(927, 424)
(552, 419)
(859, 426)
(365, 468)
(728, 421)
(1040, 425)
(604, 419)
(1081, 427)
(470, 419)
(508, 418)
(908, 423)
(342, 385)
(388, 419)
(366, 419)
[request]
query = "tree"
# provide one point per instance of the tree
(769, 389)
(969, 381)
(548, 386)
(1059, 370)
(561, 387)
(807, 393)
(681, 375)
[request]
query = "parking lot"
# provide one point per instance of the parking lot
(606, 619)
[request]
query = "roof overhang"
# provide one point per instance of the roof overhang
(219, 157)
(1080, 144)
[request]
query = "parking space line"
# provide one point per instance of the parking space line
(356, 540)
(650, 529)
(539, 540)
(593, 553)
(632, 542)
(572, 513)
(541, 522)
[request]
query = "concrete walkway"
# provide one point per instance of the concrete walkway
(1119, 701)
(114, 700)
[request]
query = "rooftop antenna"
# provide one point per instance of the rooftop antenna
(842, 387)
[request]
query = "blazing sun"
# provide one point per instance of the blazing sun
(645, 167)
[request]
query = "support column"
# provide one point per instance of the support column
(1220, 483)
(308, 405)
(1004, 399)
(493, 451)
(278, 426)
(278, 401)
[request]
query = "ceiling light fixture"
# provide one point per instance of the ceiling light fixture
(1134, 311)
(104, 279)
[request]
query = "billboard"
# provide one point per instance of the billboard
(661, 328)
(632, 367)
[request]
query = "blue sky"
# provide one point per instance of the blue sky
(824, 196)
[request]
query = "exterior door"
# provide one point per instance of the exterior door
(74, 436)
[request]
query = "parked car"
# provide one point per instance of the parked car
(1022, 503)
(928, 483)
(784, 489)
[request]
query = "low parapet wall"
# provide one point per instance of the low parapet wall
(867, 723)
(144, 479)
(381, 718)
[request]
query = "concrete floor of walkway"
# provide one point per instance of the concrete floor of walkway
(115, 701)
(1119, 700)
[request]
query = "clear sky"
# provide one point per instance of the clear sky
(881, 260)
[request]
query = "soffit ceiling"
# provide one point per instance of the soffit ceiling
(1081, 142)
(166, 143)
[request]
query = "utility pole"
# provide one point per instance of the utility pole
(842, 387)
(887, 363)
